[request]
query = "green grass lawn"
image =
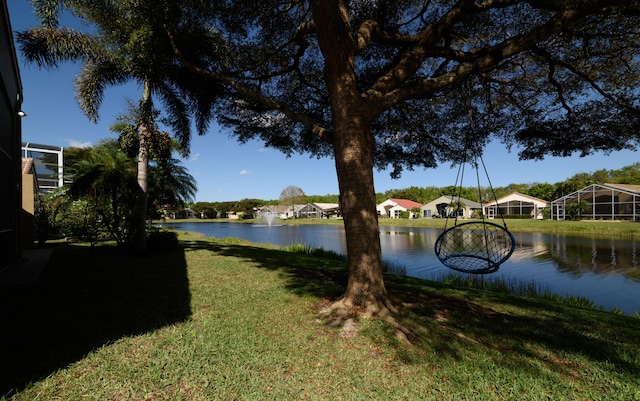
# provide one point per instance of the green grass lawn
(227, 320)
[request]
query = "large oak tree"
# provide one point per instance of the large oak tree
(405, 83)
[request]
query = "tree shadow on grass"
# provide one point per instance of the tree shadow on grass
(525, 334)
(318, 276)
(84, 299)
(519, 333)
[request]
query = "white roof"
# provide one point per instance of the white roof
(325, 206)
(517, 196)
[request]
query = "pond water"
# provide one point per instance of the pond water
(605, 271)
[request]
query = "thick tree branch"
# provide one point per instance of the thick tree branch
(372, 31)
(299, 39)
(412, 59)
(389, 89)
(482, 60)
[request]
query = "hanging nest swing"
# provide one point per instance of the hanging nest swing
(477, 247)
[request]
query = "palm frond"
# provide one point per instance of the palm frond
(48, 11)
(92, 82)
(178, 116)
(172, 183)
(47, 47)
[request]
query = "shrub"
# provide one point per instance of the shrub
(162, 240)
(79, 221)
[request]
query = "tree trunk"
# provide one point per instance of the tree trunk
(354, 167)
(143, 164)
(140, 239)
(353, 151)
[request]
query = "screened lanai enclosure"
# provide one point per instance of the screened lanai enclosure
(599, 202)
(319, 210)
(49, 165)
(516, 204)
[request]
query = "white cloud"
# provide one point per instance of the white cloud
(194, 157)
(245, 172)
(77, 144)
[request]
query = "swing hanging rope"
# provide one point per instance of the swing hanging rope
(477, 247)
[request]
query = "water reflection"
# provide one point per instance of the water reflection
(603, 270)
(578, 256)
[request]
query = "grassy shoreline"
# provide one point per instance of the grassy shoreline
(230, 320)
(580, 228)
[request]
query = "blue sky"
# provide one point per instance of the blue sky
(226, 170)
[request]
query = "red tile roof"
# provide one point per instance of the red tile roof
(406, 203)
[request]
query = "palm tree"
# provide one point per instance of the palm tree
(107, 180)
(120, 49)
(170, 184)
(456, 207)
(576, 210)
(140, 137)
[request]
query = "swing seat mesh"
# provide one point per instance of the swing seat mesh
(475, 247)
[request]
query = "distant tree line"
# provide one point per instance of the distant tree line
(625, 175)
(210, 210)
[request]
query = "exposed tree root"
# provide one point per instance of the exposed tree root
(344, 312)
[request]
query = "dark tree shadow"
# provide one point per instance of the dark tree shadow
(86, 298)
